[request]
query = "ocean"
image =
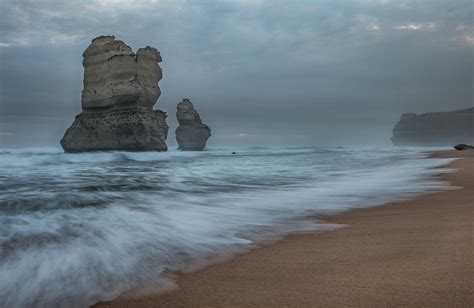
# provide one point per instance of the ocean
(79, 228)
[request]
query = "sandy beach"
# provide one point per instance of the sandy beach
(411, 253)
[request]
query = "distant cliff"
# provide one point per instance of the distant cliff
(435, 128)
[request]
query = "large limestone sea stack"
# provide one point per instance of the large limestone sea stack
(120, 90)
(191, 133)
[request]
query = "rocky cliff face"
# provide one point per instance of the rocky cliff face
(191, 133)
(120, 90)
(123, 130)
(435, 129)
(116, 77)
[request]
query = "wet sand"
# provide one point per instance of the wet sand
(411, 253)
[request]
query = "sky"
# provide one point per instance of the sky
(260, 72)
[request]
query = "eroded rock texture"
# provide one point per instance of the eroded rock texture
(191, 133)
(435, 129)
(124, 130)
(120, 90)
(116, 77)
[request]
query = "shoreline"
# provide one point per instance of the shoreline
(400, 253)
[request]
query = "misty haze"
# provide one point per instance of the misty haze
(316, 73)
(236, 153)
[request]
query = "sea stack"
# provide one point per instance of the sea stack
(435, 128)
(120, 90)
(191, 133)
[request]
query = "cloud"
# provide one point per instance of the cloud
(464, 33)
(469, 39)
(416, 27)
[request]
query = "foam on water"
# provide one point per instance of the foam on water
(79, 228)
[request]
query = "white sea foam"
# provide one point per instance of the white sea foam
(79, 228)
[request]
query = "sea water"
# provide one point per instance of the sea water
(79, 228)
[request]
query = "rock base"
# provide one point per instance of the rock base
(462, 147)
(120, 130)
(192, 138)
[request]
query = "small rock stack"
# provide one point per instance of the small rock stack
(191, 133)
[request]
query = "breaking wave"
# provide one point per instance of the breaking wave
(80, 228)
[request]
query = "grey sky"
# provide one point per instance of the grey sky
(260, 72)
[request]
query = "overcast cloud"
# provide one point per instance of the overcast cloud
(260, 72)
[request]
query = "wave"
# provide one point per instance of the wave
(88, 227)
